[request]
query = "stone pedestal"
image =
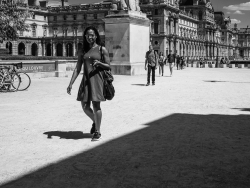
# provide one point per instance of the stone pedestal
(60, 68)
(223, 65)
(205, 65)
(198, 65)
(231, 65)
(127, 39)
(240, 66)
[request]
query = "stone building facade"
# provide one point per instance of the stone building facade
(244, 42)
(188, 28)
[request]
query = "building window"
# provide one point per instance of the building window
(74, 17)
(45, 32)
(21, 33)
(55, 32)
(44, 18)
(95, 16)
(156, 11)
(33, 31)
(64, 17)
(156, 28)
(55, 18)
(85, 16)
(200, 15)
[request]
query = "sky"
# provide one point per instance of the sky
(238, 10)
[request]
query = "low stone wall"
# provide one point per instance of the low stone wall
(44, 68)
(212, 64)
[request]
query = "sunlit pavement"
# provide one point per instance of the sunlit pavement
(44, 126)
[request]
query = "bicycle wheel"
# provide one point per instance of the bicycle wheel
(25, 81)
(14, 82)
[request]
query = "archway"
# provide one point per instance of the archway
(21, 49)
(34, 49)
(48, 49)
(59, 49)
(69, 50)
(9, 47)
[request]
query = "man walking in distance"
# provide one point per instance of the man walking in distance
(171, 61)
(151, 64)
(178, 62)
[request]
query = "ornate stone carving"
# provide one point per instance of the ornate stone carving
(126, 5)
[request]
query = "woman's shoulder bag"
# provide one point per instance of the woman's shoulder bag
(108, 90)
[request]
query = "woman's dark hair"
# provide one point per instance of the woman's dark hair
(85, 42)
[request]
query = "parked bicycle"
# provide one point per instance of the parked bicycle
(8, 81)
(11, 74)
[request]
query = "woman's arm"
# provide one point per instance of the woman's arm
(76, 72)
(106, 63)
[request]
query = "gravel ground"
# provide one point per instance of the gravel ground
(188, 131)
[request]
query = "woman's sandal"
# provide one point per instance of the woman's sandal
(92, 130)
(96, 136)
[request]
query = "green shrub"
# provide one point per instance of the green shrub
(21, 57)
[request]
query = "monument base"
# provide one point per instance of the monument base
(128, 69)
(127, 40)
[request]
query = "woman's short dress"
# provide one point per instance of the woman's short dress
(91, 87)
(161, 61)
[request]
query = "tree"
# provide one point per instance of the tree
(12, 19)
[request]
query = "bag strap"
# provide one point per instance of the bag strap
(102, 56)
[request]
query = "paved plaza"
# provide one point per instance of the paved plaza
(191, 130)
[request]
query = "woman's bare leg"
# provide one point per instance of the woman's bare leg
(97, 115)
(88, 111)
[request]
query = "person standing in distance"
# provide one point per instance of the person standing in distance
(161, 64)
(91, 87)
(151, 64)
(171, 61)
(178, 62)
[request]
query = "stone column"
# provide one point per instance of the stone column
(64, 49)
(43, 48)
(54, 49)
(181, 48)
(165, 46)
(176, 21)
(171, 25)
(171, 45)
(177, 45)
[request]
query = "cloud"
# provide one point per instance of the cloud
(241, 6)
(235, 21)
(228, 12)
(238, 12)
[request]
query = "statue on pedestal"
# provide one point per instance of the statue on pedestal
(126, 5)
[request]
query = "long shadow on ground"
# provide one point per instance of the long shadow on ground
(215, 81)
(75, 135)
(180, 150)
(243, 109)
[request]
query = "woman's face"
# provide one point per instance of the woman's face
(90, 36)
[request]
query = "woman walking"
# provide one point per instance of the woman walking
(182, 61)
(91, 87)
(161, 64)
